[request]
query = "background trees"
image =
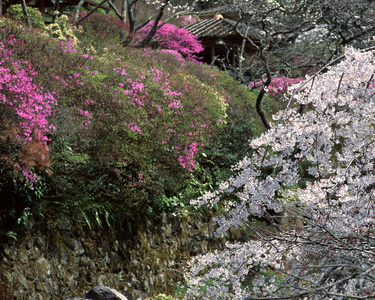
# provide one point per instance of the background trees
(294, 38)
(298, 35)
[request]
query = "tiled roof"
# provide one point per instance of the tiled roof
(217, 10)
(212, 27)
(219, 28)
(222, 9)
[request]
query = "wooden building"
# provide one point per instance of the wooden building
(228, 11)
(220, 35)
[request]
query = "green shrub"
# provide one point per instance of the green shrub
(101, 165)
(101, 28)
(15, 12)
(241, 124)
(225, 148)
(139, 128)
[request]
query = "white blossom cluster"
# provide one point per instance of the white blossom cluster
(170, 8)
(333, 255)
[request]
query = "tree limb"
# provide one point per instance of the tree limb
(24, 9)
(91, 12)
(154, 28)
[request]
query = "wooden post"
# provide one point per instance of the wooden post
(55, 8)
(213, 54)
(1, 8)
(41, 6)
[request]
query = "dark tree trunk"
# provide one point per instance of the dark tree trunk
(24, 9)
(260, 111)
(156, 26)
(55, 8)
(91, 12)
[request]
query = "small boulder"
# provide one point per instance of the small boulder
(104, 293)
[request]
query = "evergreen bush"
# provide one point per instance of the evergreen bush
(15, 12)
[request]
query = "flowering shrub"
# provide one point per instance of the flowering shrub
(142, 125)
(26, 108)
(131, 124)
(330, 256)
(147, 107)
(278, 86)
(62, 30)
(174, 38)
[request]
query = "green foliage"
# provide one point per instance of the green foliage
(15, 12)
(271, 277)
(19, 203)
(99, 164)
(99, 26)
(11, 235)
(180, 290)
(119, 155)
(226, 147)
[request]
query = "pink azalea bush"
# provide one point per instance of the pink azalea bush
(143, 124)
(152, 103)
(26, 108)
(317, 167)
(130, 123)
(278, 87)
(173, 38)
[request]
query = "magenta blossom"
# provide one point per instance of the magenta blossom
(278, 86)
(171, 37)
(26, 108)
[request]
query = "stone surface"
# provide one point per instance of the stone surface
(290, 218)
(104, 293)
(60, 260)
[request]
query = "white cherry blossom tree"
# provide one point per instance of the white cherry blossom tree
(318, 165)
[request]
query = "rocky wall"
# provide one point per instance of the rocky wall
(66, 259)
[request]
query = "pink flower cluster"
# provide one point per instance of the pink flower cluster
(156, 99)
(278, 87)
(68, 46)
(30, 103)
(173, 38)
(187, 161)
(138, 181)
